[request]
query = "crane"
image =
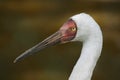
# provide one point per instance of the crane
(80, 27)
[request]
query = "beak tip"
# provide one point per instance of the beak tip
(15, 61)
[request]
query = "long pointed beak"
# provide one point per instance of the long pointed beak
(51, 40)
(65, 34)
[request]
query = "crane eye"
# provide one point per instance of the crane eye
(73, 29)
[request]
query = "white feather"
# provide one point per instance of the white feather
(90, 34)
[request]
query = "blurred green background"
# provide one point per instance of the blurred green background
(24, 23)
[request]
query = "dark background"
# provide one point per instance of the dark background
(24, 23)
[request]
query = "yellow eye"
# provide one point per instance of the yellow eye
(73, 29)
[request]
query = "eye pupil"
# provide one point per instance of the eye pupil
(73, 29)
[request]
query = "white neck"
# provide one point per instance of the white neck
(91, 51)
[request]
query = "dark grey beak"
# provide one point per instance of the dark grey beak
(50, 41)
(65, 34)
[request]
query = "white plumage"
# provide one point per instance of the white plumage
(90, 34)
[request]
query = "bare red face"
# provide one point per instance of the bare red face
(68, 31)
(65, 34)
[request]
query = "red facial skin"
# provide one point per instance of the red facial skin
(68, 31)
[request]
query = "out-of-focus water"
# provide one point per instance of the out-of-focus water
(25, 23)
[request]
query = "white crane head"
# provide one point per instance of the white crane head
(86, 27)
(80, 27)
(77, 28)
